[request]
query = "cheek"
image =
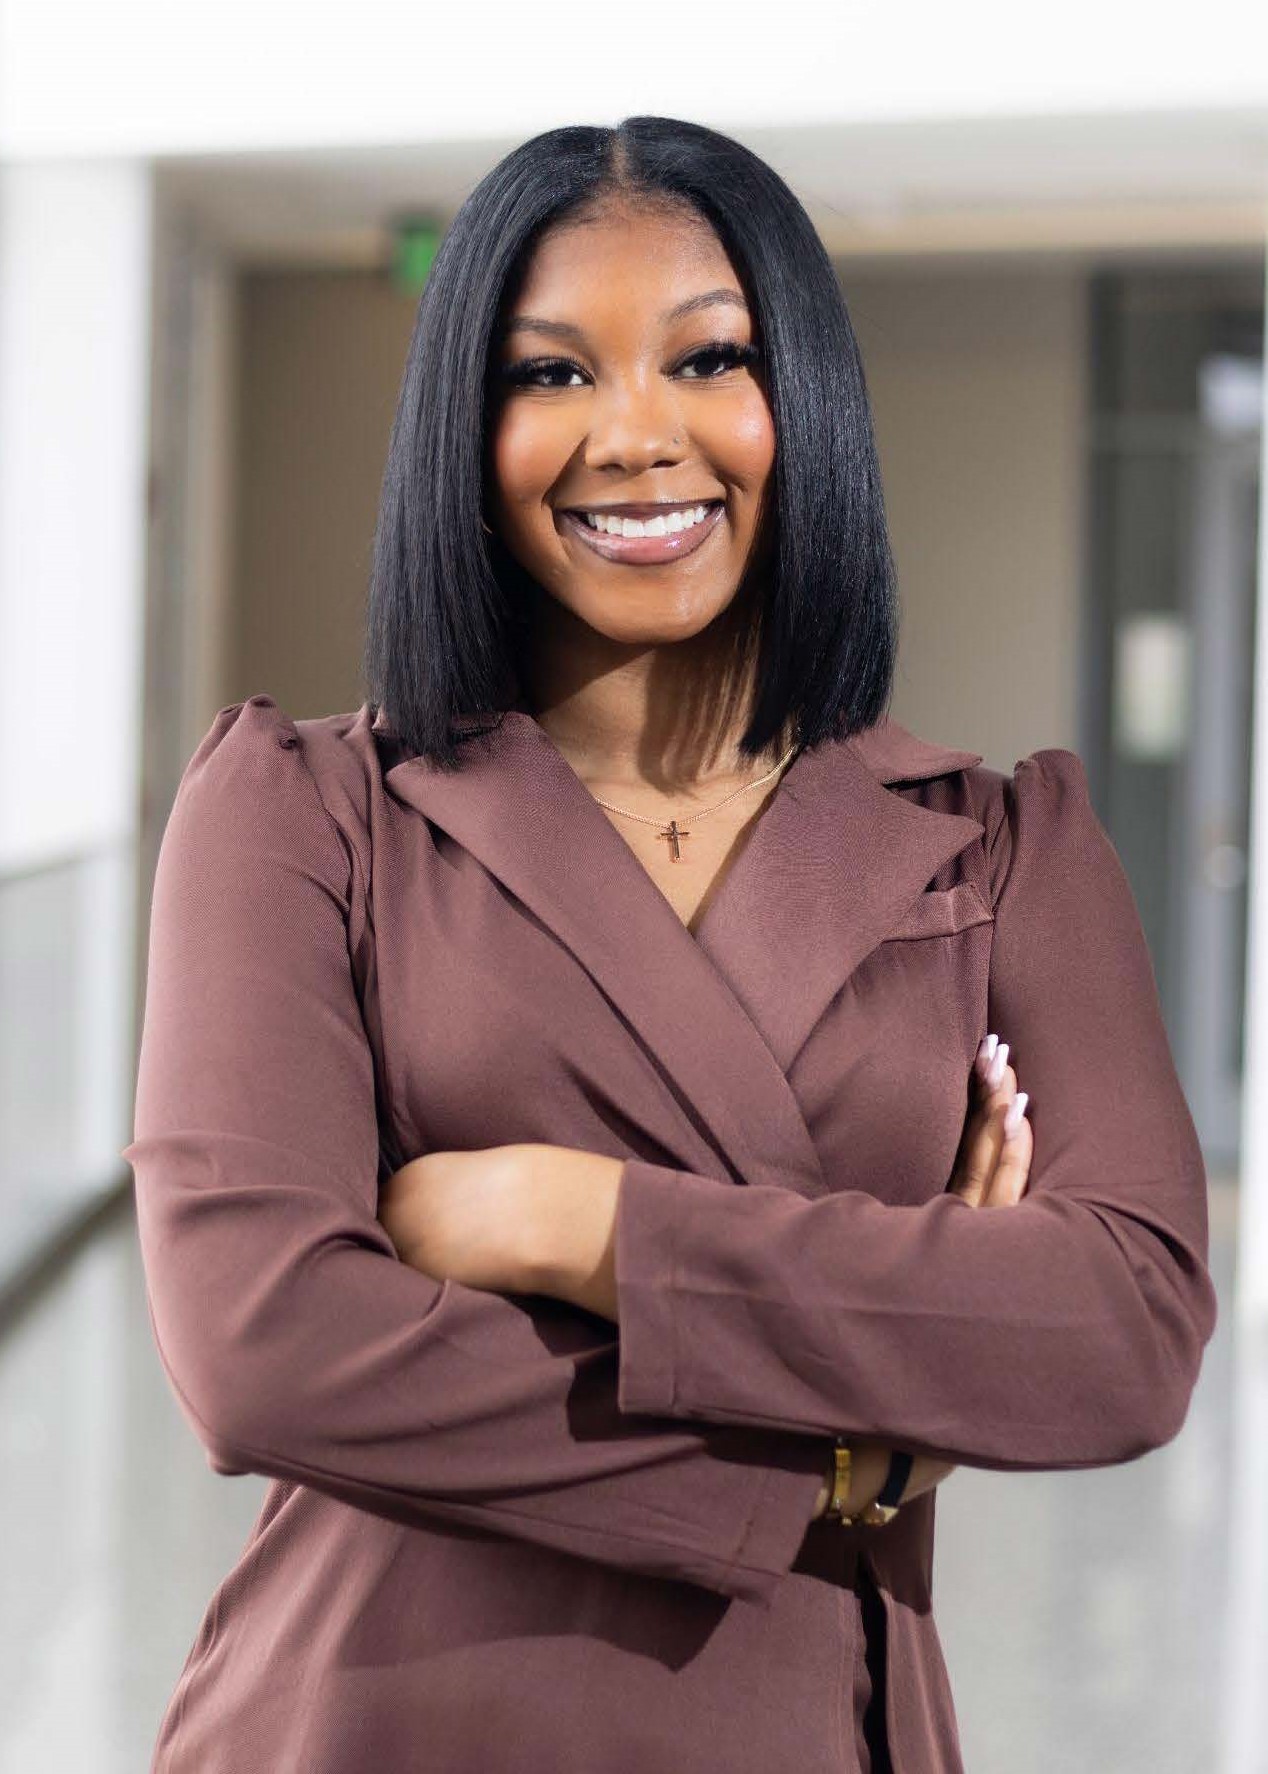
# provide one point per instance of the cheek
(527, 453)
(745, 442)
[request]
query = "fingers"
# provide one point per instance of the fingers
(868, 1468)
(976, 1167)
(993, 1163)
(926, 1472)
(996, 1085)
(1012, 1170)
(1008, 1133)
(992, 1074)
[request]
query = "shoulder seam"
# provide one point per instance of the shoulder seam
(290, 739)
(344, 844)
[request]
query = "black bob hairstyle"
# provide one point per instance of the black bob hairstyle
(447, 604)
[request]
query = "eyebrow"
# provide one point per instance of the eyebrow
(562, 329)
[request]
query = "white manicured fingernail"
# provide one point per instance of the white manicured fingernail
(985, 1054)
(998, 1065)
(1016, 1109)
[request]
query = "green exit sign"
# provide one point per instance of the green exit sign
(413, 249)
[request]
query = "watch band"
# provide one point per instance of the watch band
(891, 1492)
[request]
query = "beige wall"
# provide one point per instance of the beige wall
(977, 379)
(321, 359)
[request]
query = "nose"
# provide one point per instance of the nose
(634, 425)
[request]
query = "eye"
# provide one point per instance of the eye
(729, 353)
(531, 372)
(563, 372)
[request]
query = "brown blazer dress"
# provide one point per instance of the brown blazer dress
(505, 1535)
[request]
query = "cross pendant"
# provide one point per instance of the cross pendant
(673, 831)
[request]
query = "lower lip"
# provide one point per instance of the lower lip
(644, 551)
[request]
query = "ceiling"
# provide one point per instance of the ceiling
(1084, 184)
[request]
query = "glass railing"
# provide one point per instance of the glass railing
(67, 983)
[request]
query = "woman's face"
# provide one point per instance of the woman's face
(626, 385)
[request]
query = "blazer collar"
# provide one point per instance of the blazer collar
(831, 865)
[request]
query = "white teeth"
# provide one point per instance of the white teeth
(655, 526)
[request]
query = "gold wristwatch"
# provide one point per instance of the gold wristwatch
(872, 1515)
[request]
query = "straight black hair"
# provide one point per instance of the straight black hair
(447, 604)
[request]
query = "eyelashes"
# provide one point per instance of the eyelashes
(731, 353)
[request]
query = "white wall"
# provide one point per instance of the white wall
(74, 356)
(75, 274)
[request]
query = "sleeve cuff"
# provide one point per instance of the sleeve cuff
(784, 1508)
(650, 1199)
(645, 1259)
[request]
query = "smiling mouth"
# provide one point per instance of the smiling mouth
(644, 549)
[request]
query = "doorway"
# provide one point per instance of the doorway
(1177, 380)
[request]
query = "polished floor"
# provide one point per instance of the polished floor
(1094, 1622)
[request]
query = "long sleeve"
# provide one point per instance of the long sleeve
(1066, 1331)
(296, 1342)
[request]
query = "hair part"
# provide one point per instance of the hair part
(448, 606)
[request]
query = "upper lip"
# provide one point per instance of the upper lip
(648, 508)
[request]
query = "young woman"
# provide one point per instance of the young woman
(570, 1103)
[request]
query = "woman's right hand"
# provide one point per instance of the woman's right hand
(991, 1170)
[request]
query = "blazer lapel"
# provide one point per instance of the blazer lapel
(831, 863)
(836, 859)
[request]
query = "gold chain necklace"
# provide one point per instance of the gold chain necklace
(676, 829)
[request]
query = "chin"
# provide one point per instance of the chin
(646, 624)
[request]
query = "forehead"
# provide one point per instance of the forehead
(622, 247)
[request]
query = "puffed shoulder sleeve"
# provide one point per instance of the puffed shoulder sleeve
(1065, 1331)
(296, 1342)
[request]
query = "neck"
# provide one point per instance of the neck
(667, 718)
